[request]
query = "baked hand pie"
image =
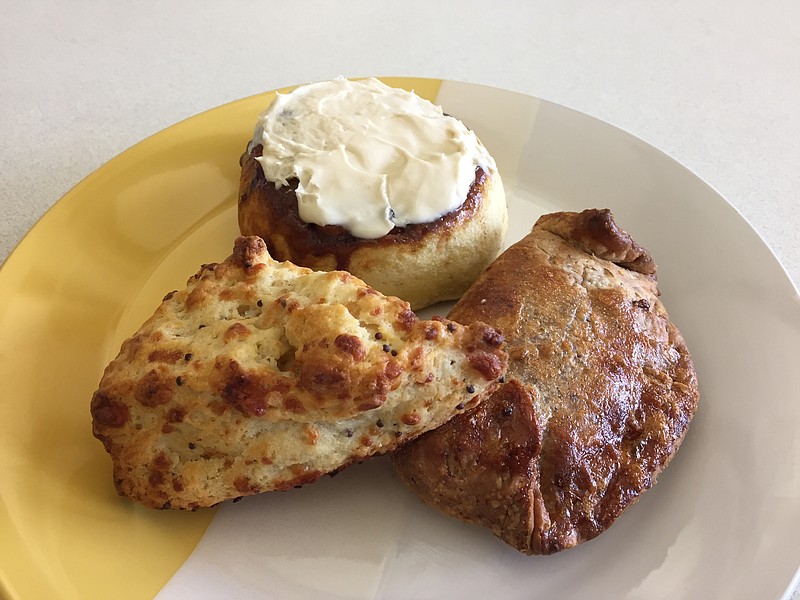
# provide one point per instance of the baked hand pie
(599, 393)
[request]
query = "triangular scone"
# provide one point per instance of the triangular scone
(599, 393)
(263, 375)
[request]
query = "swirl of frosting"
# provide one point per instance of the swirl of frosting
(366, 156)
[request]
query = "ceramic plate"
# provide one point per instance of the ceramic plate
(722, 522)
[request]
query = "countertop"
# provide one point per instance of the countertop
(712, 83)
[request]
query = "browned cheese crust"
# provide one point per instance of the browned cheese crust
(263, 375)
(421, 263)
(600, 391)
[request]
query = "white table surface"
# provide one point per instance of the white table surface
(713, 83)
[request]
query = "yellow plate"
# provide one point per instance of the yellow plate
(83, 279)
(99, 262)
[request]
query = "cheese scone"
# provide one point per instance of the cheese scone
(599, 393)
(263, 376)
(362, 177)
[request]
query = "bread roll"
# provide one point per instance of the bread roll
(392, 190)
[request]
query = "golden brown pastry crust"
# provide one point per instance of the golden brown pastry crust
(600, 391)
(422, 264)
(263, 376)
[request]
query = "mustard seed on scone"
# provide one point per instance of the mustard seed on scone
(263, 376)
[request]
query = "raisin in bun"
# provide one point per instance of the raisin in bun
(362, 177)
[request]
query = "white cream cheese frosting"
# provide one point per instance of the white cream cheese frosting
(368, 157)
